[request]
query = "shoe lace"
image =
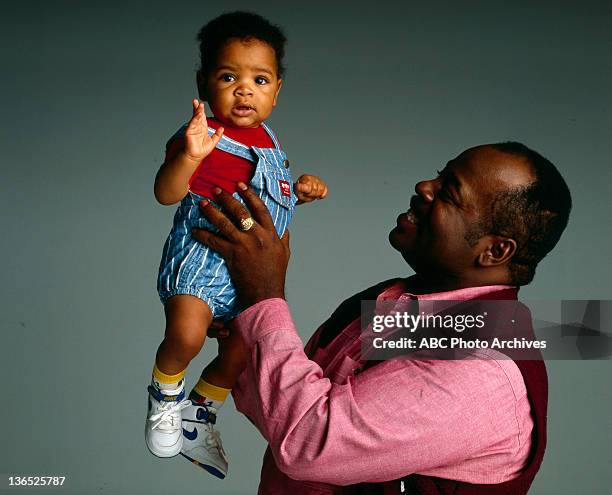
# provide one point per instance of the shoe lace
(167, 412)
(213, 439)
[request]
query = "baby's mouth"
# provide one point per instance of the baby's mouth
(242, 110)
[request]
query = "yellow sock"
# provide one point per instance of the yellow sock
(209, 394)
(167, 382)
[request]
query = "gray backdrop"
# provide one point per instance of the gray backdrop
(376, 97)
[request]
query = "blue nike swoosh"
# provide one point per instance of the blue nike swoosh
(190, 435)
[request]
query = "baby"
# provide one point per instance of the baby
(240, 78)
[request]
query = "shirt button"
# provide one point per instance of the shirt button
(286, 163)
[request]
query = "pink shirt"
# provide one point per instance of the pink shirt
(467, 420)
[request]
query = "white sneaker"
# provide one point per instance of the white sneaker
(201, 442)
(163, 433)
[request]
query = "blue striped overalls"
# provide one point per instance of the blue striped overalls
(189, 267)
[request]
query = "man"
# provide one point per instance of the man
(336, 423)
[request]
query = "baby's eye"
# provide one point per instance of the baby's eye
(261, 80)
(228, 77)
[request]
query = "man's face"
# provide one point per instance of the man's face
(431, 235)
(243, 86)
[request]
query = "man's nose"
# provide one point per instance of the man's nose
(426, 189)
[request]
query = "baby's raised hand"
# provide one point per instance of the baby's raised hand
(198, 144)
(309, 187)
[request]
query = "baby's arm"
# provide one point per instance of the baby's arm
(309, 187)
(172, 180)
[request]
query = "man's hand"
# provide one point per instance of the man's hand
(218, 330)
(257, 259)
(198, 144)
(310, 187)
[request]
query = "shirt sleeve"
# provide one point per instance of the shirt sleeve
(175, 143)
(396, 418)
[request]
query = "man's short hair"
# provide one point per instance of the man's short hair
(534, 215)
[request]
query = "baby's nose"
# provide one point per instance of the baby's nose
(244, 90)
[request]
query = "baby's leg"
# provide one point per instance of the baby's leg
(187, 320)
(202, 443)
(219, 377)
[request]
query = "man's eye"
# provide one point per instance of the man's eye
(228, 78)
(261, 80)
(444, 195)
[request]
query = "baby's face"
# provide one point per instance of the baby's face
(242, 88)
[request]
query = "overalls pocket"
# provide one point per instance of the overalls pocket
(280, 188)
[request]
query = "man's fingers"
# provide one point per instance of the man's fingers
(233, 208)
(256, 206)
(217, 330)
(213, 241)
(218, 218)
(285, 241)
(221, 333)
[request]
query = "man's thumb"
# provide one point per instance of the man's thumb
(285, 241)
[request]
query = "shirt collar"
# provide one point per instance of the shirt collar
(398, 292)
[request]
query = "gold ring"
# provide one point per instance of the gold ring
(246, 223)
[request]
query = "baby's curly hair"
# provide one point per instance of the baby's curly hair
(244, 26)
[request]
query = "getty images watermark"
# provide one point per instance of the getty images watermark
(486, 329)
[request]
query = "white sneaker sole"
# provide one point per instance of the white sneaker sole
(211, 469)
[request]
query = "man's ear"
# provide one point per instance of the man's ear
(280, 83)
(201, 83)
(497, 251)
